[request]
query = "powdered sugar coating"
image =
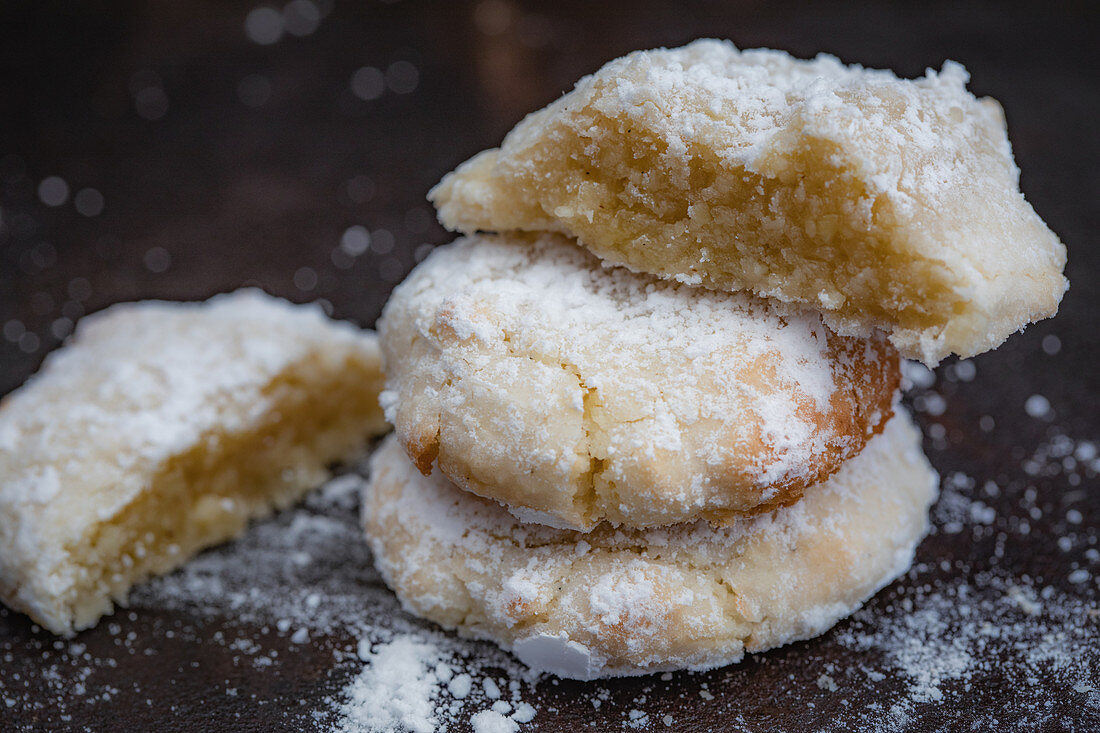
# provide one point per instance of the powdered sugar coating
(575, 393)
(142, 390)
(885, 203)
(621, 602)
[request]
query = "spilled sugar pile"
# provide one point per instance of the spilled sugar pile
(411, 683)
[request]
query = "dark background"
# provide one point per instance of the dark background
(221, 161)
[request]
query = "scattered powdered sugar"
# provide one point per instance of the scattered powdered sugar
(303, 583)
(957, 508)
(942, 644)
(1061, 455)
(414, 679)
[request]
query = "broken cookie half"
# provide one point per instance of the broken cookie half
(882, 202)
(163, 428)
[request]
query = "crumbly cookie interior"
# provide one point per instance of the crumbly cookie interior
(658, 223)
(316, 416)
(884, 203)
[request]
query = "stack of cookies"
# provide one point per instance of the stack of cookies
(651, 421)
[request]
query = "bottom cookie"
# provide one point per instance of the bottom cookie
(618, 601)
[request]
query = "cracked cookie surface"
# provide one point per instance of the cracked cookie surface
(574, 393)
(619, 601)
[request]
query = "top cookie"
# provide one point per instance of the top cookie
(881, 202)
(574, 393)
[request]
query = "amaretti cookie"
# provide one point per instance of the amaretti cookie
(625, 602)
(575, 393)
(882, 202)
(162, 428)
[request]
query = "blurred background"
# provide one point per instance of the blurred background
(178, 149)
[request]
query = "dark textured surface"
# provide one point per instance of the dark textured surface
(211, 194)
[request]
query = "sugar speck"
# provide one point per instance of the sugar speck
(355, 240)
(157, 259)
(402, 77)
(53, 191)
(89, 202)
(29, 343)
(368, 83)
(264, 25)
(359, 189)
(301, 17)
(391, 269)
(381, 241)
(1037, 406)
(460, 686)
(965, 371)
(151, 103)
(1078, 576)
(14, 330)
(492, 690)
(917, 375)
(305, 278)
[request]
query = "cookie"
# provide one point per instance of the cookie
(616, 602)
(161, 429)
(575, 393)
(882, 202)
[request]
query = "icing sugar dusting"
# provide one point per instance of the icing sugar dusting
(942, 644)
(647, 383)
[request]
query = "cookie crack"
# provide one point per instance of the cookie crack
(585, 498)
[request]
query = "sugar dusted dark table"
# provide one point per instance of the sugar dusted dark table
(193, 159)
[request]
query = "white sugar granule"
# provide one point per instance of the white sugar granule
(1037, 406)
(460, 686)
(524, 713)
(490, 721)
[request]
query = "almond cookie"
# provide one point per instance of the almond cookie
(625, 602)
(882, 202)
(575, 393)
(161, 429)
